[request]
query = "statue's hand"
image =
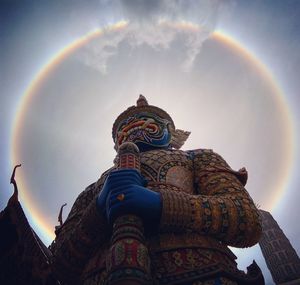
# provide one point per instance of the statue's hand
(118, 179)
(134, 199)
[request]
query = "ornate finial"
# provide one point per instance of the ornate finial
(57, 228)
(60, 214)
(142, 101)
(14, 197)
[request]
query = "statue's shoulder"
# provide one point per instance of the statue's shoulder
(207, 158)
(205, 153)
(201, 151)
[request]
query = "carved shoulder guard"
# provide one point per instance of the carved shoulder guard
(207, 161)
(222, 208)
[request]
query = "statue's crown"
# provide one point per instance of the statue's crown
(142, 106)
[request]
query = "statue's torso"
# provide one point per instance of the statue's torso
(181, 255)
(170, 167)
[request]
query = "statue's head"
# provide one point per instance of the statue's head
(149, 127)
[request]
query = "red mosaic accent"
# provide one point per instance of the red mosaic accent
(129, 161)
(128, 252)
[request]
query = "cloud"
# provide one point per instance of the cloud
(96, 53)
(154, 23)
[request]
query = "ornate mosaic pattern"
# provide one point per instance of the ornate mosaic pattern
(128, 256)
(191, 264)
(223, 208)
(208, 205)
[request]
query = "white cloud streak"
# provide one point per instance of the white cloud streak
(154, 23)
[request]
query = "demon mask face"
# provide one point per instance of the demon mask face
(148, 131)
(149, 127)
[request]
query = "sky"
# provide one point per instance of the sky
(225, 70)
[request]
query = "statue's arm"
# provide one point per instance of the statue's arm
(221, 207)
(84, 229)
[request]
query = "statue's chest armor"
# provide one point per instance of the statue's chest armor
(170, 167)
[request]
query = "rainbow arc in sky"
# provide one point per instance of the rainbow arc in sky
(36, 217)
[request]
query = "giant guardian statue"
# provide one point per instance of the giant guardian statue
(159, 215)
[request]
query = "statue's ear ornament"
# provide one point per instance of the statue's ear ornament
(178, 137)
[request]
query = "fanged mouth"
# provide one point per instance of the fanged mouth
(148, 126)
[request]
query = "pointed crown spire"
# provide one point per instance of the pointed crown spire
(141, 101)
